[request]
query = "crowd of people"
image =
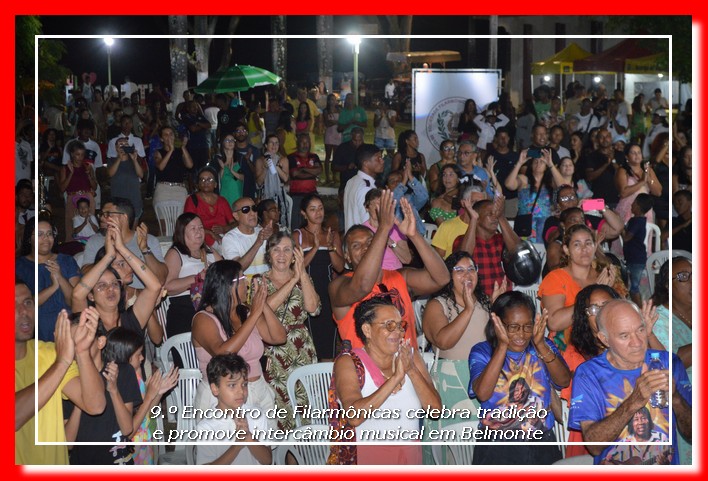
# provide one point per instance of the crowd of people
(266, 282)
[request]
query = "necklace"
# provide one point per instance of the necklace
(514, 366)
(688, 321)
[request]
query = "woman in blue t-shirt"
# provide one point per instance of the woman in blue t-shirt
(512, 374)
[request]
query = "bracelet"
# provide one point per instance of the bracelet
(147, 252)
(332, 249)
(547, 361)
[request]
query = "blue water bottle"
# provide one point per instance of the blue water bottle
(659, 398)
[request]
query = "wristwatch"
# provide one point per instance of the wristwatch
(393, 245)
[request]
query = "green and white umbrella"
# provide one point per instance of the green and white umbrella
(237, 78)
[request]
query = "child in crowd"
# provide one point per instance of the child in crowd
(228, 380)
(84, 222)
(635, 252)
(110, 352)
(144, 424)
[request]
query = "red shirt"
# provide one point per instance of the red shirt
(299, 161)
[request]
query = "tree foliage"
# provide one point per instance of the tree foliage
(52, 75)
(679, 27)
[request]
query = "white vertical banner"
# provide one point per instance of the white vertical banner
(439, 97)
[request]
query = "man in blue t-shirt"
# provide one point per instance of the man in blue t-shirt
(611, 394)
(635, 251)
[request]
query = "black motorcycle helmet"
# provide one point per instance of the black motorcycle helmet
(522, 264)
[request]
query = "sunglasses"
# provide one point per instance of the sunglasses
(247, 208)
(683, 276)
(207, 180)
(448, 149)
(392, 325)
(593, 309)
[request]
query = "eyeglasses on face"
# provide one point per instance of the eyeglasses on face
(449, 148)
(229, 141)
(392, 325)
(462, 270)
(207, 180)
(567, 198)
(683, 276)
(44, 234)
(108, 213)
(512, 328)
(241, 131)
(102, 286)
(466, 152)
(246, 209)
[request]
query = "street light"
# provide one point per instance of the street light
(109, 42)
(355, 40)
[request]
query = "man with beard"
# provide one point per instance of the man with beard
(344, 160)
(247, 155)
(143, 245)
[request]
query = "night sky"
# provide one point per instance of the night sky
(147, 60)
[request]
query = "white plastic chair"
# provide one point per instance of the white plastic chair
(418, 309)
(168, 212)
(182, 343)
(532, 292)
(304, 454)
(653, 232)
(653, 265)
(461, 453)
(560, 428)
(315, 379)
(183, 395)
(430, 230)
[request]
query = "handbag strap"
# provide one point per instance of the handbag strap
(533, 206)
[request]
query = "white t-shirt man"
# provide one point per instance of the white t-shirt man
(92, 146)
(235, 244)
(354, 193)
(206, 453)
(132, 140)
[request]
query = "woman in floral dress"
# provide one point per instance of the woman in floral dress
(293, 298)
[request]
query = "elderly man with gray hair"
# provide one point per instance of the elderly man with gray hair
(610, 389)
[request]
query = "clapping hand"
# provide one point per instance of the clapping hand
(500, 331)
(607, 276)
(407, 226)
(265, 232)
(499, 289)
(110, 372)
(299, 264)
(85, 333)
(539, 328)
(63, 343)
(387, 209)
(649, 315)
(142, 233)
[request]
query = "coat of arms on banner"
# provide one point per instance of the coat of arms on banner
(442, 120)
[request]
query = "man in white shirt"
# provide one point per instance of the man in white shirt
(247, 242)
(657, 101)
(488, 122)
(370, 163)
(126, 130)
(587, 120)
(390, 90)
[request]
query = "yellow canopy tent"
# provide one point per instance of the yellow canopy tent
(561, 63)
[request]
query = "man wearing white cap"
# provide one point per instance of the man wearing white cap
(658, 125)
(488, 122)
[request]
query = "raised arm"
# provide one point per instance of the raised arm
(434, 274)
(484, 384)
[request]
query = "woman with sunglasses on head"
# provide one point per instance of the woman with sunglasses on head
(187, 261)
(447, 156)
(224, 324)
(230, 177)
(387, 374)
(681, 324)
(57, 274)
(293, 298)
(454, 321)
(515, 370)
(102, 287)
(212, 209)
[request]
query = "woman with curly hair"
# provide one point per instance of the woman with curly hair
(442, 207)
